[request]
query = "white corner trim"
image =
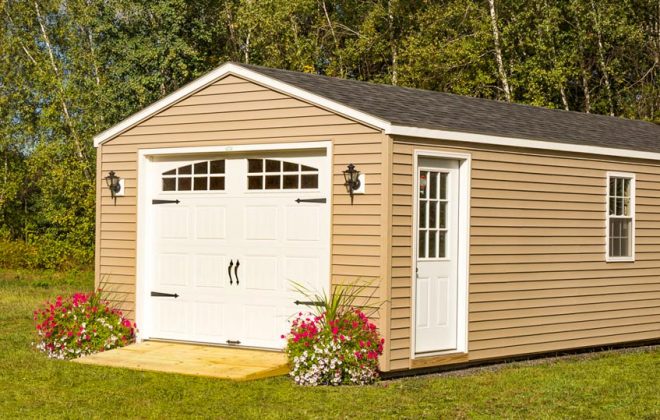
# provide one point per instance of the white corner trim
(517, 142)
(250, 75)
(463, 263)
(633, 204)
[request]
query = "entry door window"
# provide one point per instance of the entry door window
(433, 204)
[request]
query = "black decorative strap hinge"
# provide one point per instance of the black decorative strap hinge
(165, 201)
(308, 303)
(310, 200)
(160, 294)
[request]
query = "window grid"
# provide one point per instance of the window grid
(272, 174)
(620, 215)
(206, 175)
(432, 218)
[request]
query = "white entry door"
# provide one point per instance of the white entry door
(436, 283)
(229, 235)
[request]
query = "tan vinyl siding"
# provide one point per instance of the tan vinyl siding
(233, 111)
(538, 277)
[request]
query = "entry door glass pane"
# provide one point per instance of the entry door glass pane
(432, 214)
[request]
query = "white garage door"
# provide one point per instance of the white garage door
(243, 228)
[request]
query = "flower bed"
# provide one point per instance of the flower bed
(80, 325)
(343, 350)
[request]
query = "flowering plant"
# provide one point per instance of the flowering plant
(80, 325)
(343, 350)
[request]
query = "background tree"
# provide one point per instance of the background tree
(71, 68)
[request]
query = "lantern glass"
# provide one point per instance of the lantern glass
(112, 181)
(348, 174)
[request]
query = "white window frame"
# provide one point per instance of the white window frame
(632, 178)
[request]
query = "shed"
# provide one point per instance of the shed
(491, 230)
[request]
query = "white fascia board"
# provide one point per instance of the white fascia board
(399, 130)
(231, 68)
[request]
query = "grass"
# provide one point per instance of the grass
(601, 385)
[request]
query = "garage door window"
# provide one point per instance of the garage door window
(207, 175)
(272, 174)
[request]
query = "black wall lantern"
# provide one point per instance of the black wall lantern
(114, 185)
(352, 178)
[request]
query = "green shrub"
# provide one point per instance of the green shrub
(17, 254)
(45, 253)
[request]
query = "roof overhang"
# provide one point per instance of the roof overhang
(354, 114)
(399, 130)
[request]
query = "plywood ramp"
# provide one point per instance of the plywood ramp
(193, 359)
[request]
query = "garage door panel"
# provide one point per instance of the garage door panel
(304, 271)
(210, 271)
(261, 222)
(173, 269)
(303, 223)
(174, 222)
(209, 321)
(210, 222)
(173, 316)
(260, 323)
(261, 272)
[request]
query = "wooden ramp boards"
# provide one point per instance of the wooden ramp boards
(193, 359)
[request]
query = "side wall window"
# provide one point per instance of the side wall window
(620, 217)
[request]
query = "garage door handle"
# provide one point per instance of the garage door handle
(231, 264)
(236, 271)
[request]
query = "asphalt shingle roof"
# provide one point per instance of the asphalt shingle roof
(444, 111)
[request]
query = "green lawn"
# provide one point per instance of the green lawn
(603, 385)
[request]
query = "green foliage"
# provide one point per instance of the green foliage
(344, 298)
(70, 69)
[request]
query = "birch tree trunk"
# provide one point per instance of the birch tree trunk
(393, 46)
(65, 108)
(498, 51)
(601, 59)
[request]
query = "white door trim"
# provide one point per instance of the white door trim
(465, 164)
(144, 228)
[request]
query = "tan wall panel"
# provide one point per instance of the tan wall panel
(235, 112)
(574, 325)
(537, 249)
(562, 310)
(507, 326)
(558, 284)
(562, 336)
(562, 344)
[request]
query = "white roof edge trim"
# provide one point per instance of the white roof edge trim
(517, 142)
(231, 68)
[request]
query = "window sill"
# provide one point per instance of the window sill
(619, 259)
